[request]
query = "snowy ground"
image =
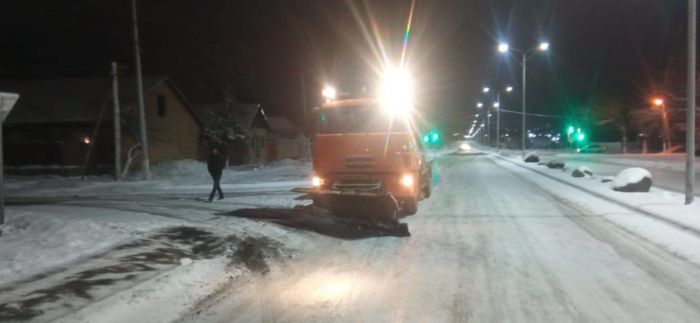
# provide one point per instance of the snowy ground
(498, 241)
(69, 243)
(668, 170)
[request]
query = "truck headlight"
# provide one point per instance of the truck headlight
(407, 180)
(317, 181)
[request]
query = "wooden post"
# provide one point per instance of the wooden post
(117, 124)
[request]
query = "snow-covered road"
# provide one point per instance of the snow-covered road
(491, 245)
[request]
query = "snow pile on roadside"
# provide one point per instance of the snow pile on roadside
(281, 170)
(180, 169)
(633, 179)
(581, 171)
(531, 157)
(35, 239)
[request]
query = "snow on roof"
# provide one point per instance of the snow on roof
(246, 113)
(76, 99)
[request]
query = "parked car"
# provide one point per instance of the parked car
(595, 149)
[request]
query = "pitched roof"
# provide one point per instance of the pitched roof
(71, 99)
(249, 115)
(282, 125)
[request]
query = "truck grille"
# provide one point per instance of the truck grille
(359, 161)
(357, 184)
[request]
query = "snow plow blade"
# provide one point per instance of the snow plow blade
(375, 211)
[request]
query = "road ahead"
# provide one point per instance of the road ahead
(489, 246)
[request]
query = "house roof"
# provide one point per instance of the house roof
(73, 99)
(282, 125)
(249, 115)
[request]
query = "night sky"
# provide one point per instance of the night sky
(261, 50)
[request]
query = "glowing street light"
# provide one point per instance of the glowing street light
(509, 89)
(659, 102)
(479, 105)
(496, 105)
(486, 89)
(329, 93)
(526, 54)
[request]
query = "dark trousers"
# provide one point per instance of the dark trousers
(217, 187)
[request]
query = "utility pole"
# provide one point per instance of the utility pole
(524, 132)
(117, 124)
(488, 125)
(498, 120)
(7, 101)
(690, 118)
(139, 94)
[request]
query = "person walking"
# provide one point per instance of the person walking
(215, 165)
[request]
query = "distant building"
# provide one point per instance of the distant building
(50, 128)
(285, 140)
(250, 148)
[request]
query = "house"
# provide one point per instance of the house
(51, 126)
(252, 123)
(285, 140)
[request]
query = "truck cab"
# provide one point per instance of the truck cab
(358, 147)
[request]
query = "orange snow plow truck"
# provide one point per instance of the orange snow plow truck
(368, 167)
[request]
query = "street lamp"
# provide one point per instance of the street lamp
(329, 93)
(526, 55)
(486, 89)
(479, 105)
(661, 103)
(509, 89)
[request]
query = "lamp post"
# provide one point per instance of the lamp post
(526, 55)
(660, 103)
(496, 106)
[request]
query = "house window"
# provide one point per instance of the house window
(162, 106)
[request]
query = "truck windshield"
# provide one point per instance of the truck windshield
(358, 119)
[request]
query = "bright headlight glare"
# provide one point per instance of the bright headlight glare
(316, 181)
(397, 91)
(407, 180)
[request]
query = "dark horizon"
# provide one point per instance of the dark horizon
(260, 50)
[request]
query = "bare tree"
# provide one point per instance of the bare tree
(618, 114)
(648, 122)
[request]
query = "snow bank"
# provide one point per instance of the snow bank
(185, 169)
(581, 171)
(633, 179)
(35, 239)
(531, 157)
(555, 164)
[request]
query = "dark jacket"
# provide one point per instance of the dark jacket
(216, 164)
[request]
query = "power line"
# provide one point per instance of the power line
(535, 114)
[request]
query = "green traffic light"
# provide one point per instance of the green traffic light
(435, 137)
(581, 136)
(571, 130)
(425, 138)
